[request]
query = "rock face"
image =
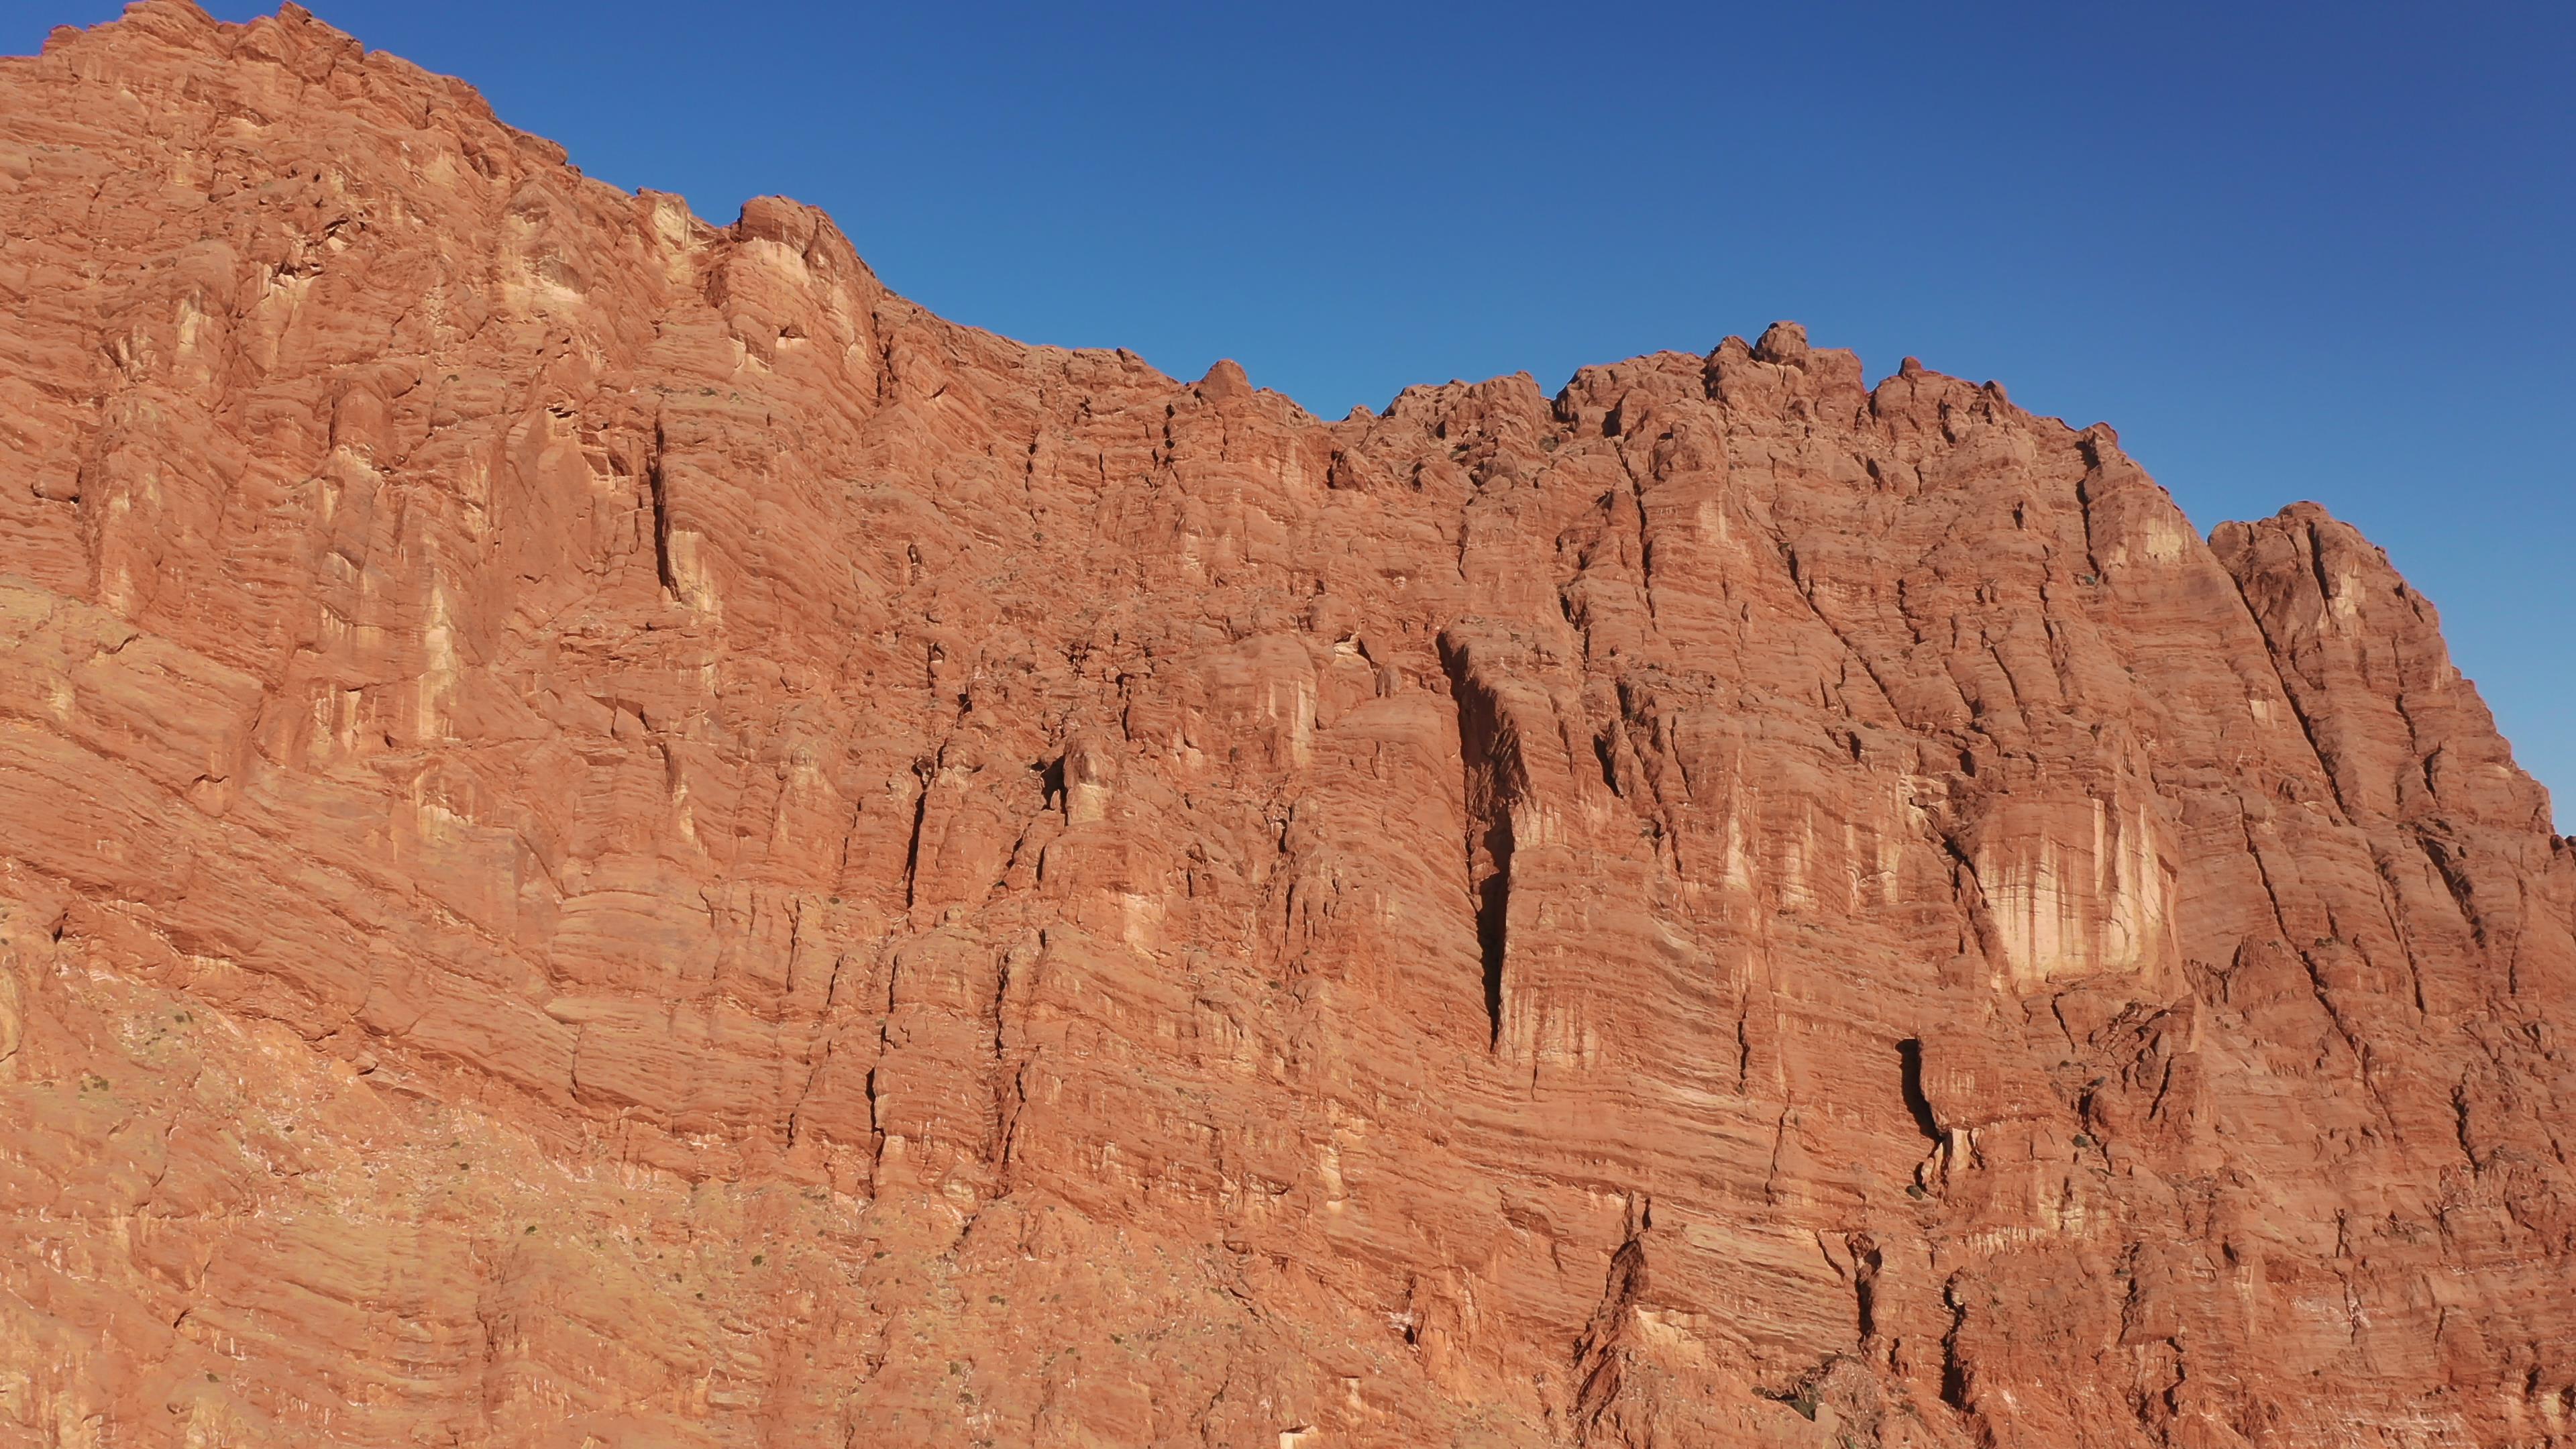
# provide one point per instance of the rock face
(615, 836)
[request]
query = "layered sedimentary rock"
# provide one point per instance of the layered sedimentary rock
(615, 836)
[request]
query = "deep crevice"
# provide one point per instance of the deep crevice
(1909, 1063)
(1954, 1374)
(2317, 566)
(1867, 1262)
(912, 851)
(1601, 1354)
(1490, 754)
(659, 489)
(2444, 857)
(1493, 912)
(2277, 655)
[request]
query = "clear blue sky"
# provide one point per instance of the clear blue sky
(2289, 250)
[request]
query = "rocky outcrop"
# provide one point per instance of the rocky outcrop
(615, 836)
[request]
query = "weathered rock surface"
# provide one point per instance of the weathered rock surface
(614, 836)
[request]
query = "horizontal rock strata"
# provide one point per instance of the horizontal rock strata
(616, 836)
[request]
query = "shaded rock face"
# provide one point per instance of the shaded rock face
(616, 836)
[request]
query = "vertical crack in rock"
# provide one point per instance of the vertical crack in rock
(2090, 448)
(658, 486)
(1010, 1086)
(1954, 1370)
(1909, 1065)
(1804, 583)
(922, 772)
(1600, 1355)
(2447, 867)
(2317, 567)
(1490, 752)
(1867, 1261)
(2241, 570)
(1966, 889)
(1493, 914)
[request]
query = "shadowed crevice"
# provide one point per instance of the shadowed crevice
(659, 488)
(1493, 913)
(1909, 1061)
(1490, 759)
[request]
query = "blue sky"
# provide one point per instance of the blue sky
(2289, 250)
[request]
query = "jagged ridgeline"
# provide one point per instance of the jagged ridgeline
(614, 835)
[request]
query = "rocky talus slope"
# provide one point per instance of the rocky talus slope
(614, 836)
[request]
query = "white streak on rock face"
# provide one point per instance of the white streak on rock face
(1086, 803)
(2161, 538)
(10, 1030)
(689, 573)
(1090, 772)
(441, 670)
(1298, 712)
(2074, 907)
(1711, 519)
(1739, 860)
(1140, 919)
(1793, 853)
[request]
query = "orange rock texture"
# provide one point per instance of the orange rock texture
(614, 836)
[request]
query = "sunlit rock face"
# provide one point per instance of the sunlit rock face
(616, 836)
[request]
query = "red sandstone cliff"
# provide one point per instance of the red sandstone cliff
(614, 836)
